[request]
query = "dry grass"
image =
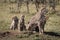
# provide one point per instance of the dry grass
(52, 25)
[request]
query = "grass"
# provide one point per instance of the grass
(52, 27)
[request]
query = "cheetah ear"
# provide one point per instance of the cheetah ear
(28, 22)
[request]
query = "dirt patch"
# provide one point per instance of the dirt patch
(11, 33)
(3, 34)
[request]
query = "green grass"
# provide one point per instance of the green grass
(52, 25)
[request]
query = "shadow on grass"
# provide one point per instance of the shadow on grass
(52, 34)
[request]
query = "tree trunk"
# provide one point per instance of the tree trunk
(27, 4)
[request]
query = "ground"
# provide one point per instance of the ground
(52, 27)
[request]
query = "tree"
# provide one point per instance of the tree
(52, 4)
(37, 4)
